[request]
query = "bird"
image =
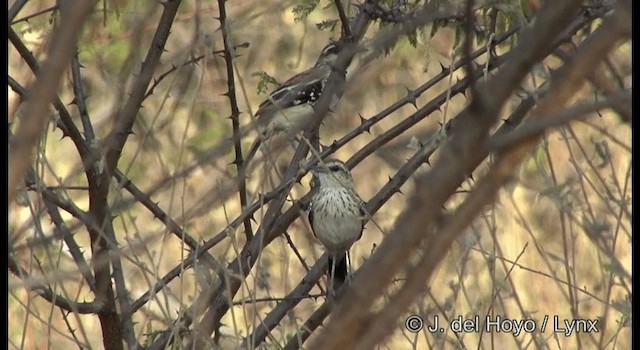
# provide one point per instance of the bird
(336, 216)
(289, 108)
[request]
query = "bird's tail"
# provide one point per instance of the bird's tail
(338, 270)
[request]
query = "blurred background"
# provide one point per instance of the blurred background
(557, 241)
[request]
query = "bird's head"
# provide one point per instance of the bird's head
(333, 173)
(329, 53)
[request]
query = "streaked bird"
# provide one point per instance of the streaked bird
(336, 215)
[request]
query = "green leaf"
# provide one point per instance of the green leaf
(305, 8)
(328, 24)
(265, 80)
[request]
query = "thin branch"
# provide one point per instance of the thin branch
(15, 9)
(311, 324)
(67, 237)
(296, 252)
(235, 114)
(352, 324)
(33, 15)
(569, 78)
(47, 294)
(605, 84)
(346, 30)
(122, 297)
(541, 125)
(65, 123)
(161, 77)
(292, 299)
(171, 225)
(117, 138)
(272, 299)
(81, 100)
(243, 263)
(60, 52)
(432, 106)
(467, 48)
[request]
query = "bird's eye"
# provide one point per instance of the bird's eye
(334, 168)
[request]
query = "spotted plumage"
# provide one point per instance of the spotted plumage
(303, 88)
(290, 107)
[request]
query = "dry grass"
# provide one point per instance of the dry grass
(555, 243)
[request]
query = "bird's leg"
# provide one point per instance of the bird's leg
(348, 262)
(332, 276)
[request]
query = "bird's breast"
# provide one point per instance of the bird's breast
(337, 218)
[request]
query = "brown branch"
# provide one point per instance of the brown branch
(432, 106)
(80, 100)
(467, 48)
(15, 8)
(88, 151)
(47, 294)
(310, 325)
(229, 55)
(605, 84)
(161, 77)
(115, 330)
(292, 299)
(567, 81)
(59, 54)
(110, 322)
(346, 30)
(171, 225)
(33, 15)
(243, 263)
(538, 126)
(67, 237)
(117, 138)
(352, 324)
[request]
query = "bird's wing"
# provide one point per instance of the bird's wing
(310, 216)
(300, 88)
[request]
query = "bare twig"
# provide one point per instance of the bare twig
(357, 325)
(126, 116)
(33, 15)
(311, 324)
(569, 79)
(346, 30)
(229, 56)
(15, 8)
(80, 100)
(467, 48)
(289, 302)
(60, 52)
(535, 127)
(47, 294)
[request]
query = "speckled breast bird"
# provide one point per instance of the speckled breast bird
(337, 216)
